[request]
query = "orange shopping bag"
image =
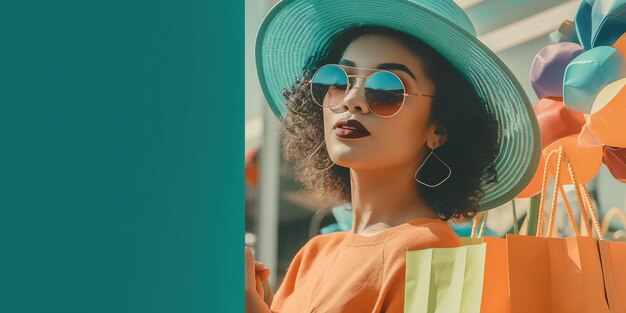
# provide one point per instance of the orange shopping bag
(556, 274)
(613, 254)
(496, 282)
(614, 265)
(495, 296)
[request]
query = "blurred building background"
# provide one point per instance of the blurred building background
(280, 218)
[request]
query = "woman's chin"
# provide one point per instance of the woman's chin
(352, 160)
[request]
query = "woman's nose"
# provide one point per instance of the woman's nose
(354, 101)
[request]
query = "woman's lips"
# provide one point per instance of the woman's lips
(350, 128)
(349, 133)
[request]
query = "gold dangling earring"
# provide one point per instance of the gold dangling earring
(323, 141)
(432, 151)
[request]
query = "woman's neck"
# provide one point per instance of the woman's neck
(383, 198)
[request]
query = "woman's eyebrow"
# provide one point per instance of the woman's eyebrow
(383, 66)
(396, 66)
(347, 63)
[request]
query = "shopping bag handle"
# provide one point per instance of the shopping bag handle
(585, 203)
(557, 188)
(480, 216)
(610, 215)
(592, 211)
(568, 207)
(581, 193)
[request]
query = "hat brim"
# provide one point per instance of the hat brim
(295, 30)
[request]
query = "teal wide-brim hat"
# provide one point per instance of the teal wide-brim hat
(295, 30)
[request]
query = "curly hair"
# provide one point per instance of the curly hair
(470, 127)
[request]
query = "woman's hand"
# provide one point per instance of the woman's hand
(258, 292)
(262, 274)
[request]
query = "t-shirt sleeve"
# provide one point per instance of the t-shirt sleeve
(287, 286)
(299, 266)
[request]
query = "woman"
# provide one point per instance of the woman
(401, 112)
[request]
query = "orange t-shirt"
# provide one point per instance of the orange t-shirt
(348, 272)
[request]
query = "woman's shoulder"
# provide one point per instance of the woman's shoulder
(316, 247)
(320, 244)
(325, 241)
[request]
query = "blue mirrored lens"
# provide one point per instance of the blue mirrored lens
(384, 93)
(329, 85)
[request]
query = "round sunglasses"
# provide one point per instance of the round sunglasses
(384, 91)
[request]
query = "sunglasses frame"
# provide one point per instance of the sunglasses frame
(349, 86)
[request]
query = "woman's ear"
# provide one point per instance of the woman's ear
(437, 136)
